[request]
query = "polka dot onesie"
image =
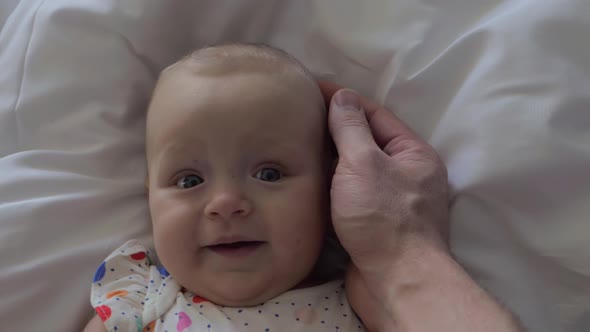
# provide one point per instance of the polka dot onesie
(129, 293)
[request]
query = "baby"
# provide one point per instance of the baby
(239, 163)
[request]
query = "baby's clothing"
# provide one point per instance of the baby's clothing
(129, 293)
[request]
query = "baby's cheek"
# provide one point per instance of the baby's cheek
(171, 246)
(171, 211)
(302, 244)
(173, 224)
(305, 222)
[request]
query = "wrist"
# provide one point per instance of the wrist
(424, 289)
(417, 268)
(414, 259)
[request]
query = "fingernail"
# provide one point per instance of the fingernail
(348, 100)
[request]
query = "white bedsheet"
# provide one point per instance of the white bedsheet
(500, 88)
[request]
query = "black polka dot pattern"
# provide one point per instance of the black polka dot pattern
(305, 309)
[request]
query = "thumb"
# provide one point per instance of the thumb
(348, 124)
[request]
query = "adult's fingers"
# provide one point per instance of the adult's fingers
(328, 90)
(389, 132)
(348, 124)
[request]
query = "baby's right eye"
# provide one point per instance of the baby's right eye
(189, 181)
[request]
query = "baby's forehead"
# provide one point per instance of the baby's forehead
(239, 90)
(213, 67)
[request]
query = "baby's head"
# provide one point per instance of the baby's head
(239, 163)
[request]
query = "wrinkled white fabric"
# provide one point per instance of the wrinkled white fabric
(500, 88)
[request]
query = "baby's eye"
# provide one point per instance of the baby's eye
(189, 181)
(268, 174)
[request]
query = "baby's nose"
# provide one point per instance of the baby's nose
(227, 206)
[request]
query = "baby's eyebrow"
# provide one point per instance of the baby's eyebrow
(172, 151)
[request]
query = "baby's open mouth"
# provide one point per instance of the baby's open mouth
(238, 245)
(236, 249)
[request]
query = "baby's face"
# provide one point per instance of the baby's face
(238, 186)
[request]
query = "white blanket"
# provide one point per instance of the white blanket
(500, 88)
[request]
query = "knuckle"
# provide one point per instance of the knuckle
(437, 169)
(441, 167)
(352, 120)
(425, 150)
(416, 203)
(430, 179)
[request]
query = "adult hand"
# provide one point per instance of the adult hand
(390, 211)
(389, 191)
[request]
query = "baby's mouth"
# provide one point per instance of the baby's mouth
(236, 249)
(237, 245)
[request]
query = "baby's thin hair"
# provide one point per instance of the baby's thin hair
(230, 57)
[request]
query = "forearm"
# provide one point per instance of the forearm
(429, 291)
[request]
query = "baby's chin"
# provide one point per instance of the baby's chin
(239, 298)
(239, 295)
(245, 287)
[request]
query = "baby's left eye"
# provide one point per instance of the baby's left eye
(268, 174)
(189, 181)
